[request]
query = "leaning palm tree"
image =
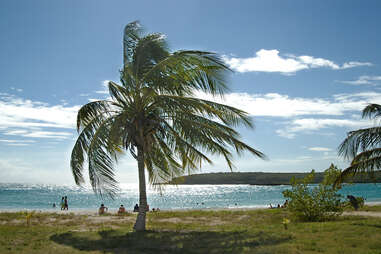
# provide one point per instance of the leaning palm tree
(363, 147)
(154, 115)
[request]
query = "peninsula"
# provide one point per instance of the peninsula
(258, 178)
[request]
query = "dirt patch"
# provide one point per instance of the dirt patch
(363, 213)
(96, 219)
(243, 217)
(189, 220)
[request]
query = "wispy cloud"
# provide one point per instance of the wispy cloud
(280, 105)
(270, 61)
(26, 118)
(308, 125)
(363, 80)
(11, 142)
(320, 149)
(304, 115)
(16, 89)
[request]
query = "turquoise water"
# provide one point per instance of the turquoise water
(41, 197)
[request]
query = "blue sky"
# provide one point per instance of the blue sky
(303, 71)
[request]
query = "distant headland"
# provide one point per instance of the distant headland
(259, 178)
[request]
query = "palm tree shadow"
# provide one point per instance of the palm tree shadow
(112, 241)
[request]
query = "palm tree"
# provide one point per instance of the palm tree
(154, 115)
(363, 147)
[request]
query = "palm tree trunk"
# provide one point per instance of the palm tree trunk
(140, 224)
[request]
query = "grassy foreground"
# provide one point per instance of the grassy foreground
(252, 231)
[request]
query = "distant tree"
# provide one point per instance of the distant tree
(363, 147)
(155, 115)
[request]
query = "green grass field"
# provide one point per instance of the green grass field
(252, 231)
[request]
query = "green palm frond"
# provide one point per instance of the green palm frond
(360, 140)
(91, 111)
(132, 33)
(372, 111)
(365, 163)
(362, 147)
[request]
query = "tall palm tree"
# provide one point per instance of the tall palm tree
(363, 147)
(154, 115)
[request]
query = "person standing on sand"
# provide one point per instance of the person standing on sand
(66, 206)
(62, 203)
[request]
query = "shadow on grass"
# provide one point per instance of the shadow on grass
(168, 242)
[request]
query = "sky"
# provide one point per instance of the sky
(303, 70)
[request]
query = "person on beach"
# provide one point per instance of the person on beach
(102, 209)
(121, 210)
(62, 203)
(136, 208)
(66, 205)
(54, 205)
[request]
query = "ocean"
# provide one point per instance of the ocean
(42, 197)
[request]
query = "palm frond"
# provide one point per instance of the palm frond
(372, 111)
(360, 140)
(101, 162)
(92, 110)
(131, 36)
(365, 163)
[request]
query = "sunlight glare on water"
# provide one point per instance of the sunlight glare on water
(41, 197)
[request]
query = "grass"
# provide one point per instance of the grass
(253, 231)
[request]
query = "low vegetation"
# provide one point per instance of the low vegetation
(318, 203)
(237, 231)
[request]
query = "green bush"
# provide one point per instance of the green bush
(318, 203)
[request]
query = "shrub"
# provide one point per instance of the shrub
(318, 203)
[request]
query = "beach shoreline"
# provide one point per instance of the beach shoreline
(113, 211)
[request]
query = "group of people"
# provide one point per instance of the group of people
(64, 204)
(280, 206)
(122, 210)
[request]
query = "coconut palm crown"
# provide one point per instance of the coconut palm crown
(363, 147)
(154, 115)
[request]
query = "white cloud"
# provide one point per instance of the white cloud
(270, 61)
(10, 142)
(363, 80)
(312, 124)
(26, 118)
(279, 105)
(320, 149)
(284, 106)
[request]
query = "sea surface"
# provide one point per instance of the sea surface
(42, 197)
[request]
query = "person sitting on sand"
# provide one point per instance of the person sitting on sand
(136, 208)
(121, 210)
(102, 209)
